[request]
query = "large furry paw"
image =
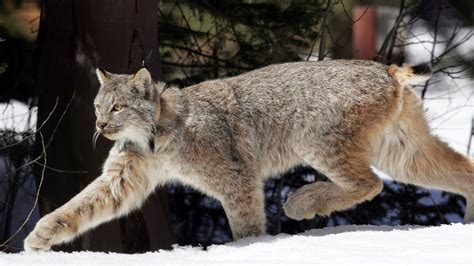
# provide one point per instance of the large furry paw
(296, 209)
(306, 203)
(46, 233)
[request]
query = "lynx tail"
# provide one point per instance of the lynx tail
(410, 75)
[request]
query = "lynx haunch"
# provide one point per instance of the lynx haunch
(225, 137)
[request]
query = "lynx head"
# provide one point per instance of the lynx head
(125, 107)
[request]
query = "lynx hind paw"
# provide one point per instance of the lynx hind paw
(300, 205)
(297, 211)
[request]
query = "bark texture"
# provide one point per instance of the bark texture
(75, 37)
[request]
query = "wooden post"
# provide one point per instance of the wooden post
(364, 32)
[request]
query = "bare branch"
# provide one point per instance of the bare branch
(324, 26)
(28, 217)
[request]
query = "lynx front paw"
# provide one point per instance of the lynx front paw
(48, 231)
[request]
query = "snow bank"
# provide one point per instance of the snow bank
(447, 244)
(17, 116)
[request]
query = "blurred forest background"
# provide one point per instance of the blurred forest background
(49, 50)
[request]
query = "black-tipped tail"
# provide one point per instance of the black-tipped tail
(422, 69)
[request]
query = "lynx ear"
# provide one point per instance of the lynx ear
(102, 75)
(142, 82)
(142, 78)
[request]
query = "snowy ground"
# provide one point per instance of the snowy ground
(376, 245)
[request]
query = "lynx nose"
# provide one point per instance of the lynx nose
(101, 124)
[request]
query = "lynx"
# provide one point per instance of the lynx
(225, 137)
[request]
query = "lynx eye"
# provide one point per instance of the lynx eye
(117, 107)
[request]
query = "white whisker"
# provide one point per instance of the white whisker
(94, 138)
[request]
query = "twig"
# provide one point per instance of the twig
(349, 16)
(59, 170)
(322, 43)
(36, 131)
(404, 10)
(43, 154)
(36, 198)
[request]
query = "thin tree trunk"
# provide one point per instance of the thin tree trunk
(75, 37)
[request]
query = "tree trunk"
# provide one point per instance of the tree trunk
(75, 37)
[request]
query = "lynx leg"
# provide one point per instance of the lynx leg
(409, 153)
(469, 214)
(350, 185)
(245, 210)
(121, 188)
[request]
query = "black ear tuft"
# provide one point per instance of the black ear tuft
(101, 70)
(422, 69)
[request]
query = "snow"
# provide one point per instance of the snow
(17, 116)
(447, 244)
(449, 102)
(450, 115)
